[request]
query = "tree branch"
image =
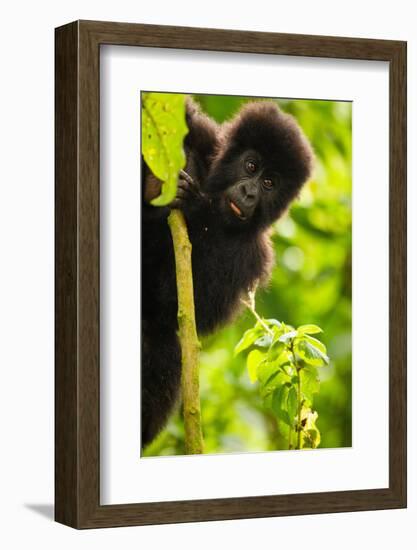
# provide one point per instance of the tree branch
(190, 345)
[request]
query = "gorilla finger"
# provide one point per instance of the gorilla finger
(186, 177)
(182, 193)
(193, 188)
(184, 186)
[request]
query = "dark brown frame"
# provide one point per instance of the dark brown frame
(77, 274)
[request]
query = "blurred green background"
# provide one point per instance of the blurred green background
(311, 283)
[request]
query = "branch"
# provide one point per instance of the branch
(250, 304)
(190, 345)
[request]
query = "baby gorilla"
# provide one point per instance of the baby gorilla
(240, 177)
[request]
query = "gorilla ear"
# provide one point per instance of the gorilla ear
(262, 126)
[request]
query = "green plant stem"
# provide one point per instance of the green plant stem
(299, 404)
(257, 317)
(190, 345)
(299, 409)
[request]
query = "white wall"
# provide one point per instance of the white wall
(26, 289)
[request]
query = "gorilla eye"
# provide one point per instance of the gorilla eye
(268, 183)
(251, 166)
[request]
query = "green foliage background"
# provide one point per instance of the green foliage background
(311, 283)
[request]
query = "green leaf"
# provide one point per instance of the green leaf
(273, 323)
(266, 370)
(271, 384)
(284, 358)
(278, 404)
(310, 432)
(253, 360)
(311, 354)
(163, 132)
(264, 341)
(292, 403)
(247, 340)
(310, 383)
(288, 336)
(271, 375)
(278, 331)
(275, 351)
(267, 401)
(277, 379)
(316, 343)
(311, 438)
(309, 329)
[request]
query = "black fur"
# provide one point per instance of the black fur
(228, 208)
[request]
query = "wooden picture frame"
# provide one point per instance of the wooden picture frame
(77, 382)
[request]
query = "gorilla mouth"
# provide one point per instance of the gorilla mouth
(236, 210)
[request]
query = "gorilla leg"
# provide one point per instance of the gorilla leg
(161, 379)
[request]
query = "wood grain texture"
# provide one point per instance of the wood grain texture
(398, 274)
(77, 187)
(66, 237)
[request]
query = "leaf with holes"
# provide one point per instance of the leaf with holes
(163, 132)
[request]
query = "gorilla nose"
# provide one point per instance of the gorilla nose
(249, 192)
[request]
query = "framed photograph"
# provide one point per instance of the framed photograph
(230, 274)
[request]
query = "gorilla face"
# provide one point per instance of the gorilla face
(261, 164)
(253, 189)
(251, 192)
